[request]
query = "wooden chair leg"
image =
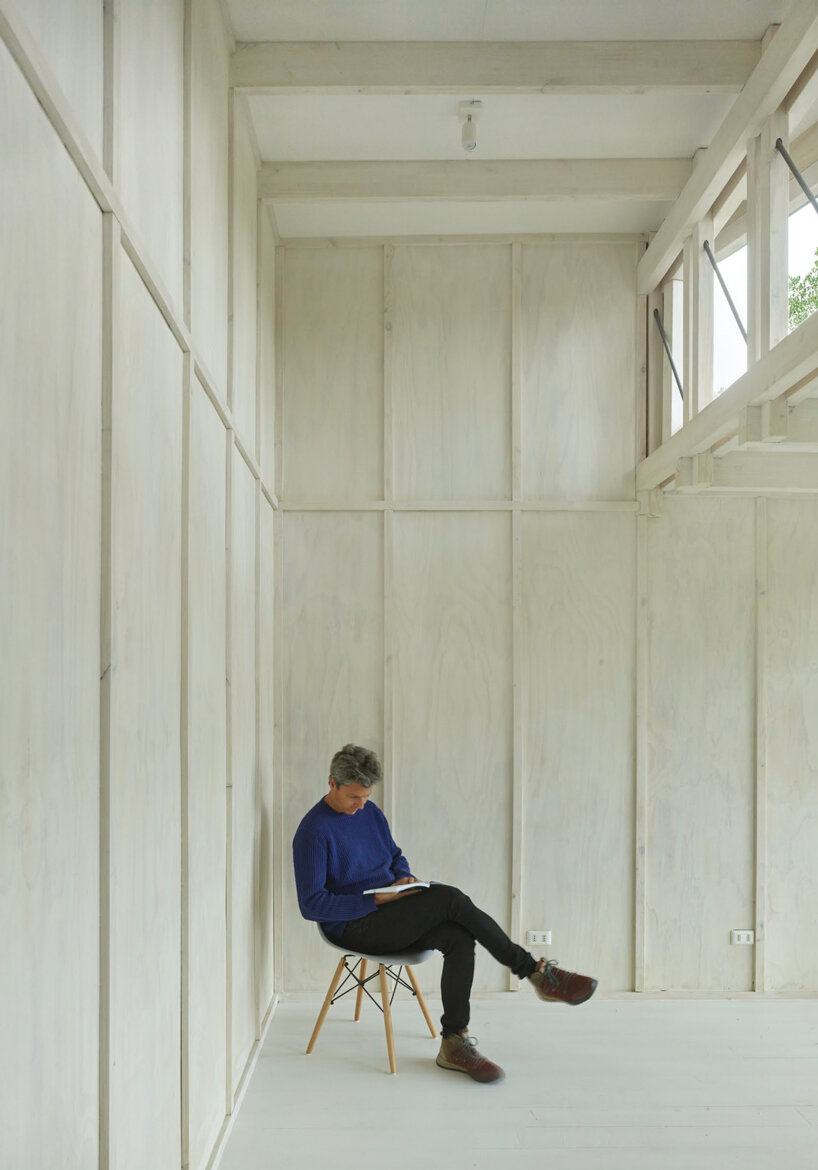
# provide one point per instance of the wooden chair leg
(387, 1019)
(359, 997)
(336, 979)
(421, 1000)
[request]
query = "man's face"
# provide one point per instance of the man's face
(347, 798)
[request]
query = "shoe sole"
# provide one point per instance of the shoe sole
(457, 1068)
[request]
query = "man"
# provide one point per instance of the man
(343, 846)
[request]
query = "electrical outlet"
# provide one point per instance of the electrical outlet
(538, 938)
(746, 937)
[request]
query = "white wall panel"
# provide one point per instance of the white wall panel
(332, 425)
(451, 372)
(701, 764)
(578, 631)
(267, 352)
(452, 707)
(145, 834)
(148, 119)
(207, 779)
(267, 779)
(792, 746)
(69, 35)
(208, 194)
(578, 337)
(243, 755)
(50, 373)
(243, 398)
(333, 690)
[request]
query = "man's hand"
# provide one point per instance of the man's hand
(380, 899)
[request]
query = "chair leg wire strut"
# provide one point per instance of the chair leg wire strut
(358, 980)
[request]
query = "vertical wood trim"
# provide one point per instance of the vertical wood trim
(259, 1007)
(228, 903)
(187, 157)
(689, 316)
(185, 761)
(698, 320)
(278, 358)
(655, 381)
(231, 275)
(767, 229)
(259, 300)
(388, 539)
(278, 746)
(641, 388)
(641, 794)
(517, 773)
(759, 982)
(702, 382)
(517, 769)
(110, 43)
(516, 370)
(668, 388)
(110, 326)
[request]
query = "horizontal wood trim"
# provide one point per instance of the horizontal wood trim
(471, 179)
(504, 67)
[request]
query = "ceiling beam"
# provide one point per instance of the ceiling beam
(659, 180)
(391, 67)
(780, 67)
(789, 364)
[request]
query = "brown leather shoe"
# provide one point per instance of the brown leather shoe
(460, 1054)
(557, 986)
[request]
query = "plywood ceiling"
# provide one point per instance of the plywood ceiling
(313, 127)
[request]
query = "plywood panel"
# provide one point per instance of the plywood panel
(267, 353)
(50, 371)
(145, 746)
(208, 194)
(148, 129)
(69, 36)
(792, 759)
(333, 375)
(243, 753)
(267, 778)
(578, 366)
(451, 372)
(243, 398)
(701, 728)
(333, 689)
(452, 718)
(207, 767)
(578, 634)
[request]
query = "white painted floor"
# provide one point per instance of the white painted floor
(643, 1083)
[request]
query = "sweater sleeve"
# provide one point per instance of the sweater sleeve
(400, 866)
(315, 901)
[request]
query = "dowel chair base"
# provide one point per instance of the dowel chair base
(387, 967)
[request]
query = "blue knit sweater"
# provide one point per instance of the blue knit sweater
(336, 856)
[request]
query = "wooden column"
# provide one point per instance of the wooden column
(768, 180)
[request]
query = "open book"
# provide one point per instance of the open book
(407, 888)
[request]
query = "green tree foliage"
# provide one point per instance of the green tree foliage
(803, 295)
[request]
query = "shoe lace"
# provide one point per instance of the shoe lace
(470, 1048)
(553, 976)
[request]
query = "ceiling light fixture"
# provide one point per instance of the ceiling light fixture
(469, 112)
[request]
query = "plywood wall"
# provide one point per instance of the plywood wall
(475, 617)
(50, 371)
(466, 582)
(137, 780)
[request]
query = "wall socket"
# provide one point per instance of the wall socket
(538, 938)
(747, 937)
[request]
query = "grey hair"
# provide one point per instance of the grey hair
(355, 765)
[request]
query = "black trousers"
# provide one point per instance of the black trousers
(441, 918)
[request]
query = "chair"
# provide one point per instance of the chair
(357, 973)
